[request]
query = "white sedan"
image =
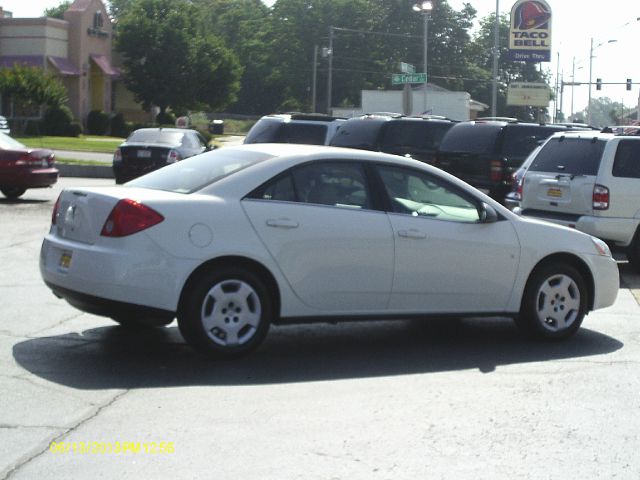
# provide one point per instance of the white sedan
(236, 239)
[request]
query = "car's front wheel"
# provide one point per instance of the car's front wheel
(12, 192)
(227, 313)
(554, 303)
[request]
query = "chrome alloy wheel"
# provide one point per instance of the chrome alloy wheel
(231, 313)
(558, 302)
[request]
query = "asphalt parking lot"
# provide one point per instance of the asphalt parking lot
(82, 397)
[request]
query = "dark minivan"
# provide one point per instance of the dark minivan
(415, 137)
(485, 153)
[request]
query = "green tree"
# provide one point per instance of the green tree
(604, 111)
(32, 86)
(171, 59)
(57, 12)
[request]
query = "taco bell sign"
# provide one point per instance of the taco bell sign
(530, 31)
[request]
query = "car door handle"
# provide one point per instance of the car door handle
(282, 223)
(411, 234)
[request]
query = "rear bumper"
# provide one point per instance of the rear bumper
(617, 231)
(35, 178)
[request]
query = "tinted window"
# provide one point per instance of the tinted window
(339, 184)
(419, 194)
(361, 133)
(520, 141)
(279, 189)
(471, 138)
(575, 156)
(197, 172)
(266, 130)
(627, 161)
(156, 136)
(423, 135)
(309, 133)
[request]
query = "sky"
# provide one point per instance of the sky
(574, 24)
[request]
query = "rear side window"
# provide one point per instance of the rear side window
(627, 161)
(362, 134)
(266, 130)
(520, 141)
(575, 156)
(424, 135)
(471, 138)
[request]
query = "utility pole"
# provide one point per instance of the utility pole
(496, 51)
(315, 76)
(330, 75)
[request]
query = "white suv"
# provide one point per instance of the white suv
(591, 182)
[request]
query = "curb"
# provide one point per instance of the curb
(88, 171)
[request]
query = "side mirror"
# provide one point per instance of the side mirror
(488, 214)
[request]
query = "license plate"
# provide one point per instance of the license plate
(144, 154)
(554, 192)
(65, 261)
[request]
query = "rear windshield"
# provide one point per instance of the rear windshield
(520, 141)
(272, 130)
(197, 172)
(424, 135)
(155, 136)
(575, 156)
(361, 133)
(471, 138)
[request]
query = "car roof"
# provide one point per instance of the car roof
(164, 129)
(305, 117)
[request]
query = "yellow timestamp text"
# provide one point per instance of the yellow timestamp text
(113, 448)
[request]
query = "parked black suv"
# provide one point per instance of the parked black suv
(485, 153)
(415, 137)
(306, 128)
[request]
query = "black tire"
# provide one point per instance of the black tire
(554, 303)
(236, 307)
(139, 322)
(633, 252)
(12, 192)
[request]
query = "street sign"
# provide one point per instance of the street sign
(407, 68)
(402, 78)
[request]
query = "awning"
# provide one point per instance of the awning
(64, 66)
(8, 61)
(104, 64)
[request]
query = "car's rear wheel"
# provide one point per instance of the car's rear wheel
(633, 252)
(12, 192)
(226, 313)
(554, 303)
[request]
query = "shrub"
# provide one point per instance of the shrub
(165, 118)
(56, 121)
(119, 127)
(33, 128)
(74, 129)
(97, 122)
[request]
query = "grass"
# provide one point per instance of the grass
(83, 143)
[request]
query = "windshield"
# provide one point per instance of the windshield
(155, 136)
(573, 156)
(197, 172)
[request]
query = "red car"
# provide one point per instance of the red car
(22, 167)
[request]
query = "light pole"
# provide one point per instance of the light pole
(591, 49)
(494, 70)
(425, 9)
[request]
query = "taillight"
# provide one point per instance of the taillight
(129, 217)
(29, 161)
(600, 197)
(117, 156)
(496, 170)
(54, 214)
(173, 157)
(519, 188)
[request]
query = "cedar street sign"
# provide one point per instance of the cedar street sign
(402, 78)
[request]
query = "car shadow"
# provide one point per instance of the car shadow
(22, 201)
(629, 277)
(116, 357)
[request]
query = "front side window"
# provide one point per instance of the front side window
(627, 160)
(421, 195)
(338, 184)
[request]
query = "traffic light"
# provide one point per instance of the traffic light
(598, 84)
(629, 84)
